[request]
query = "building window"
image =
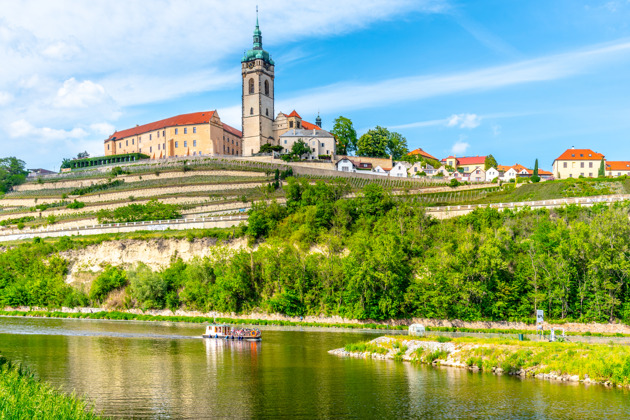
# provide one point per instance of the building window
(237, 143)
(590, 174)
(185, 143)
(267, 87)
(251, 111)
(298, 124)
(108, 147)
(590, 164)
(176, 144)
(194, 130)
(185, 130)
(150, 149)
(581, 164)
(163, 133)
(194, 143)
(120, 144)
(323, 145)
(581, 173)
(158, 134)
(158, 147)
(290, 124)
(176, 131)
(150, 136)
(267, 111)
(224, 137)
(285, 142)
(133, 141)
(251, 86)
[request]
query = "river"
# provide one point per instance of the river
(163, 370)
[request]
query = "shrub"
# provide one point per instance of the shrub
(454, 182)
(153, 210)
(147, 287)
(110, 279)
(76, 205)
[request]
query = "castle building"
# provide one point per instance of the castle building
(196, 134)
(203, 133)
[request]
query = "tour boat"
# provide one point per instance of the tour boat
(231, 333)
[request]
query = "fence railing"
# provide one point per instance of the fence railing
(193, 220)
(558, 202)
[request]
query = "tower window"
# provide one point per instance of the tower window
(290, 124)
(267, 87)
(251, 86)
(251, 111)
(267, 111)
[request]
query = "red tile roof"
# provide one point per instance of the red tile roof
(503, 168)
(421, 152)
(294, 114)
(580, 154)
(618, 165)
(519, 168)
(309, 126)
(184, 119)
(474, 160)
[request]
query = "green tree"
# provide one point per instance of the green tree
(602, 169)
(535, 177)
(12, 173)
(380, 142)
(397, 145)
(300, 148)
(345, 134)
(491, 162)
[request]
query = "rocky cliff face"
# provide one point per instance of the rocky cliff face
(156, 253)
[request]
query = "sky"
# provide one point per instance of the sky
(519, 79)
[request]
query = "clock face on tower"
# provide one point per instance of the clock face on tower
(250, 64)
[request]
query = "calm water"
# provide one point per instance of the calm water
(149, 370)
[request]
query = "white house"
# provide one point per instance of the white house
(379, 171)
(477, 175)
(345, 165)
(492, 173)
(400, 170)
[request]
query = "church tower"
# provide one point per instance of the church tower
(257, 69)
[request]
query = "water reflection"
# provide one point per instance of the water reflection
(145, 370)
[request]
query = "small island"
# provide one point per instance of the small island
(587, 363)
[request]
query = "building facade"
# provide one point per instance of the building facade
(574, 163)
(617, 168)
(319, 141)
(196, 134)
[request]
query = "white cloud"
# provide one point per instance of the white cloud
(23, 128)
(496, 130)
(60, 50)
(348, 96)
(459, 148)
(464, 121)
(102, 129)
(74, 94)
(5, 98)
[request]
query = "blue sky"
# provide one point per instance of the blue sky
(518, 79)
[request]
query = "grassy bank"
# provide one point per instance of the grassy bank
(126, 316)
(607, 364)
(22, 396)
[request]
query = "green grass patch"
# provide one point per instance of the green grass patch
(23, 396)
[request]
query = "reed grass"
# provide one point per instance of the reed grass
(22, 396)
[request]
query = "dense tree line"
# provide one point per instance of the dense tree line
(375, 256)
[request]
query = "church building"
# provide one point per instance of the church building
(203, 133)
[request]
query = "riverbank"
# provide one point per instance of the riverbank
(24, 396)
(605, 364)
(432, 325)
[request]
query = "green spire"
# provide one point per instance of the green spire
(257, 50)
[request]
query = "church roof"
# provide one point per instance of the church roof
(297, 132)
(308, 126)
(294, 114)
(184, 119)
(257, 52)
